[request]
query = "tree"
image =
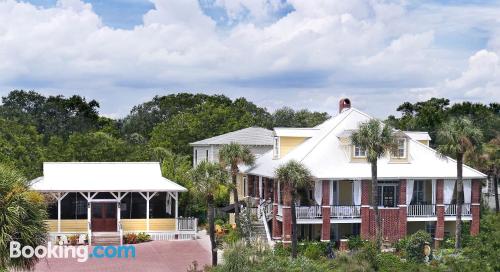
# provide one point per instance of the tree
(457, 137)
(231, 156)
(207, 179)
(22, 215)
(492, 165)
(287, 117)
(376, 139)
(294, 176)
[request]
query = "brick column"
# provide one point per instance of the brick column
(439, 234)
(276, 223)
(287, 215)
(325, 211)
(475, 206)
(403, 219)
(365, 209)
(265, 185)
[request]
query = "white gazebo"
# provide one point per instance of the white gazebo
(113, 197)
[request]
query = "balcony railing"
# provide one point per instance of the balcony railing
(345, 211)
(308, 212)
(451, 209)
(314, 212)
(186, 223)
(421, 210)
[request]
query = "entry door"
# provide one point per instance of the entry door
(104, 216)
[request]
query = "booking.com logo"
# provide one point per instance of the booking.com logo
(80, 252)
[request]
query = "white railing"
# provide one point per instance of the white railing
(186, 224)
(345, 211)
(263, 214)
(308, 212)
(451, 209)
(280, 210)
(421, 210)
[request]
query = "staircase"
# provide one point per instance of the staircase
(258, 230)
(105, 238)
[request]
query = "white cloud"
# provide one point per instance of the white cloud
(377, 52)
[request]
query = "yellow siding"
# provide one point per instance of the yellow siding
(68, 225)
(425, 142)
(287, 144)
(52, 225)
(134, 224)
(163, 224)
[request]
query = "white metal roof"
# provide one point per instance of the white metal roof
(327, 158)
(418, 135)
(246, 136)
(295, 132)
(103, 177)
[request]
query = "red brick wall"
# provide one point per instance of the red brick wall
(276, 224)
(402, 209)
(287, 214)
(325, 209)
(365, 210)
(439, 235)
(475, 208)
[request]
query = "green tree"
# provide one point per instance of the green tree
(22, 215)
(207, 179)
(457, 137)
(21, 147)
(294, 176)
(287, 117)
(376, 139)
(230, 156)
(96, 146)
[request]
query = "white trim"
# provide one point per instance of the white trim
(421, 219)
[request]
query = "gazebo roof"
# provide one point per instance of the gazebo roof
(103, 177)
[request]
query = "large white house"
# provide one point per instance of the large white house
(416, 184)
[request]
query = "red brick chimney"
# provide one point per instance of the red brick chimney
(344, 104)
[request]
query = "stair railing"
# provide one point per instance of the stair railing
(262, 213)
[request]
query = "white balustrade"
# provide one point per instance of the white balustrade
(421, 210)
(345, 211)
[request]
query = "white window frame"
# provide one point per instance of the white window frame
(405, 149)
(207, 155)
(354, 147)
(276, 147)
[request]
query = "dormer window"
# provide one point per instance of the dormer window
(400, 152)
(359, 152)
(276, 147)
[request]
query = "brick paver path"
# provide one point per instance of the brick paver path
(151, 256)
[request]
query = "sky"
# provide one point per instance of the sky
(296, 53)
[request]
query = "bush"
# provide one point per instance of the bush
(280, 250)
(314, 251)
(401, 246)
(73, 239)
(355, 242)
(415, 246)
(219, 222)
(143, 237)
(130, 238)
(231, 237)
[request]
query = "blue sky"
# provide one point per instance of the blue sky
(304, 54)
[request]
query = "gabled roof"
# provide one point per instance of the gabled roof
(418, 135)
(103, 177)
(246, 136)
(327, 158)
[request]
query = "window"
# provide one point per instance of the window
(245, 184)
(388, 195)
(400, 152)
(196, 157)
(359, 152)
(418, 193)
(207, 155)
(276, 147)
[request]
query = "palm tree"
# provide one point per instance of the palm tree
(457, 137)
(208, 179)
(376, 139)
(294, 176)
(22, 215)
(231, 156)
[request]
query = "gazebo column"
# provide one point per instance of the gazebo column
(148, 197)
(59, 197)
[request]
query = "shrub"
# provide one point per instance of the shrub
(130, 238)
(231, 237)
(280, 250)
(314, 251)
(143, 237)
(401, 246)
(355, 242)
(415, 247)
(219, 222)
(73, 239)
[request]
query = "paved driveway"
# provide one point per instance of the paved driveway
(151, 256)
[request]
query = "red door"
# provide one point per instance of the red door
(104, 217)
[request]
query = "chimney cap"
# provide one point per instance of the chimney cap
(344, 104)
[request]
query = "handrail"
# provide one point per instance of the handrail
(421, 210)
(345, 211)
(451, 209)
(262, 214)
